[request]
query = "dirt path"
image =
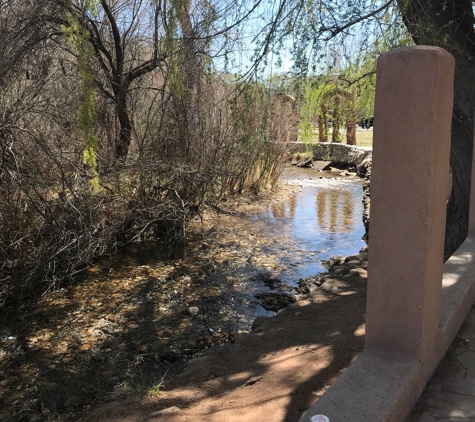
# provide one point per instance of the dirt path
(272, 374)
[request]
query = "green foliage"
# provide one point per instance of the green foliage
(312, 109)
(77, 39)
(350, 67)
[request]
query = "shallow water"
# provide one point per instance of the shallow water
(324, 219)
(138, 316)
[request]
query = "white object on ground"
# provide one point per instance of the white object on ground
(319, 418)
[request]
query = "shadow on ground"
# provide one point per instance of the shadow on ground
(104, 346)
(272, 374)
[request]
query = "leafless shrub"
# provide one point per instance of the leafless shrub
(194, 139)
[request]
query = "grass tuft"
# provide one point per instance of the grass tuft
(144, 386)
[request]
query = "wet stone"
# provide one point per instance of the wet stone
(354, 262)
(340, 270)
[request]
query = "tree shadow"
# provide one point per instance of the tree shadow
(110, 336)
(325, 334)
(120, 334)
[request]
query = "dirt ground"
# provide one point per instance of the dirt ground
(273, 374)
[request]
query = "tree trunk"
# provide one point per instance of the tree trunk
(122, 143)
(336, 120)
(322, 124)
(123, 140)
(350, 122)
(450, 25)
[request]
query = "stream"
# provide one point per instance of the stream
(324, 219)
(141, 314)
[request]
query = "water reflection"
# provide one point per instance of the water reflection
(333, 207)
(323, 219)
(335, 210)
(285, 209)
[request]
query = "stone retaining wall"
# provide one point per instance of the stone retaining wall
(340, 153)
(336, 153)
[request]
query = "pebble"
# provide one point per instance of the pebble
(85, 348)
(193, 310)
(329, 288)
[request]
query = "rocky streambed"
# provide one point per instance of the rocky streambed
(138, 318)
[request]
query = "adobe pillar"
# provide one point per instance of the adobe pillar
(413, 113)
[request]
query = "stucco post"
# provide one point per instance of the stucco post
(413, 111)
(409, 321)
